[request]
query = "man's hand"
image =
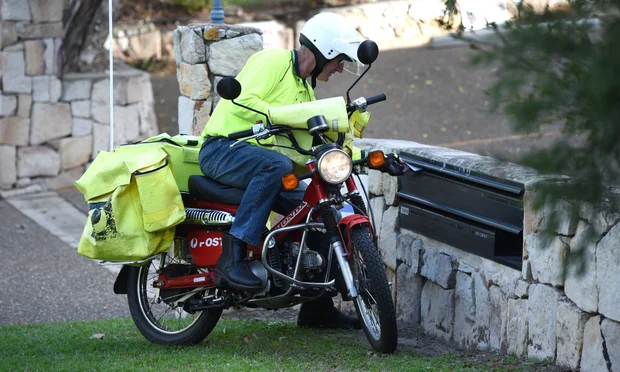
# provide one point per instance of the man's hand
(394, 165)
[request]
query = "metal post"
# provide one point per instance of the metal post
(217, 12)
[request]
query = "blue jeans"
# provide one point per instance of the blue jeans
(257, 170)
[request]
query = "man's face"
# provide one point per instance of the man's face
(330, 68)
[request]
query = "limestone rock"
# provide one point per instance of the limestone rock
(75, 151)
(81, 127)
(46, 88)
(464, 311)
(49, 56)
(193, 115)
(215, 32)
(28, 31)
(194, 81)
(439, 267)
(8, 33)
(8, 105)
(24, 103)
(73, 90)
(14, 131)
(126, 124)
(408, 294)
(517, 327)
(607, 264)
(375, 182)
(101, 91)
(46, 10)
(140, 89)
(8, 164)
(377, 205)
(546, 256)
(498, 320)
(611, 333)
(177, 36)
(409, 251)
(481, 329)
(227, 57)
(14, 79)
(37, 161)
(100, 112)
(569, 334)
(148, 119)
(580, 286)
(65, 179)
(542, 311)
(521, 289)
(101, 138)
(387, 238)
(50, 121)
(80, 109)
(389, 186)
(592, 358)
(437, 310)
(202, 114)
(35, 64)
(193, 49)
(15, 10)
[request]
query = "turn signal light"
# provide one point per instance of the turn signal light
(290, 182)
(376, 159)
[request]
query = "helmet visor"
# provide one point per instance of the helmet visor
(354, 67)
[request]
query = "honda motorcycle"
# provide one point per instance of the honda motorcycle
(173, 297)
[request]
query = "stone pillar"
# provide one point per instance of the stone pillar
(204, 54)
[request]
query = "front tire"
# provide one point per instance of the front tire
(158, 315)
(374, 303)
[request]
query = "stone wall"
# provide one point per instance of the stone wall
(478, 304)
(52, 126)
(204, 54)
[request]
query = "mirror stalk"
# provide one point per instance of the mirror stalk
(355, 82)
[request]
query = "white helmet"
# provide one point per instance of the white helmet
(329, 35)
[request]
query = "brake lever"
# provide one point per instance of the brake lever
(260, 135)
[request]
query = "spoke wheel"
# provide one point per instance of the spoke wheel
(159, 314)
(374, 303)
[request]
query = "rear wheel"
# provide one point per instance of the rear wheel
(374, 303)
(159, 314)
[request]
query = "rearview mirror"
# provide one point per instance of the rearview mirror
(367, 52)
(229, 88)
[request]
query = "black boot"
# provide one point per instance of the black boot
(321, 313)
(232, 267)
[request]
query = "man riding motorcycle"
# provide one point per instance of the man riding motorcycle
(272, 78)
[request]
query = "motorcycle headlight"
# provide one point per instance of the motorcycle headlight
(335, 166)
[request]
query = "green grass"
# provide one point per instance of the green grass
(234, 345)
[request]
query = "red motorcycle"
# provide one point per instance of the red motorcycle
(173, 297)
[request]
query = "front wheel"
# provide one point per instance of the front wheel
(159, 314)
(374, 303)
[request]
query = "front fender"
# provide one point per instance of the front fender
(349, 222)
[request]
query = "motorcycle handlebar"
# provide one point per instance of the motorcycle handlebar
(361, 103)
(376, 99)
(241, 134)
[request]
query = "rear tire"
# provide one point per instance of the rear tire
(374, 303)
(160, 318)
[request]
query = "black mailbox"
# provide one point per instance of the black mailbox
(468, 210)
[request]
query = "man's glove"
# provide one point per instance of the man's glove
(393, 165)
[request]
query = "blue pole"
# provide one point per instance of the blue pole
(217, 12)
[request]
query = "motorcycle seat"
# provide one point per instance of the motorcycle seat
(204, 188)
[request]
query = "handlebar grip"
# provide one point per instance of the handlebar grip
(375, 99)
(241, 134)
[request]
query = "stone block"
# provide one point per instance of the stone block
(27, 31)
(73, 90)
(546, 256)
(65, 179)
(498, 322)
(437, 310)
(80, 109)
(375, 182)
(8, 105)
(389, 186)
(49, 56)
(14, 79)
(100, 112)
(74, 151)
(46, 88)
(177, 37)
(46, 10)
(517, 327)
(439, 267)
(35, 64)
(50, 121)
(193, 115)
(601, 219)
(580, 285)
(15, 10)
(227, 57)
(37, 161)
(81, 127)
(409, 251)
(377, 205)
(101, 91)
(202, 114)
(8, 164)
(571, 321)
(611, 334)
(592, 355)
(607, 264)
(542, 312)
(387, 237)
(14, 131)
(148, 119)
(8, 34)
(408, 292)
(521, 289)
(562, 217)
(23, 182)
(193, 49)
(101, 138)
(126, 124)
(194, 81)
(140, 89)
(464, 311)
(24, 103)
(481, 330)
